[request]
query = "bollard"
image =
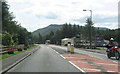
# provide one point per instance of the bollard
(72, 49)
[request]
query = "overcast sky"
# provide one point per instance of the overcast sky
(35, 14)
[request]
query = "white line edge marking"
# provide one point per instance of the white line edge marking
(107, 64)
(92, 69)
(18, 63)
(56, 52)
(76, 66)
(62, 56)
(111, 71)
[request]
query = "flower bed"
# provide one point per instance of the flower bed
(10, 51)
(19, 49)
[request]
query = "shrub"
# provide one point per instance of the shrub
(6, 39)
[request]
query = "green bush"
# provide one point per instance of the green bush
(7, 39)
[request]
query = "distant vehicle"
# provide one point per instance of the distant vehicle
(47, 42)
(101, 44)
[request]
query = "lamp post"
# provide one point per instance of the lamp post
(90, 34)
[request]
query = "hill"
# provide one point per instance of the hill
(53, 27)
(47, 30)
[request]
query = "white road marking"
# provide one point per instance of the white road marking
(55, 51)
(91, 69)
(76, 67)
(107, 64)
(18, 63)
(62, 56)
(111, 71)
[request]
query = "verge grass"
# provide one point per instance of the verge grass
(3, 56)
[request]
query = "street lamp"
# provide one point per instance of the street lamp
(90, 27)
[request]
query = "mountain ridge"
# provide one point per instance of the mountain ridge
(53, 27)
(46, 30)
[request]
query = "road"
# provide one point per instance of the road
(45, 59)
(53, 58)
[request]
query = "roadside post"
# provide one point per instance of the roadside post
(72, 49)
(68, 47)
(103, 46)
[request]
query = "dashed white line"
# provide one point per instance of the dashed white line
(76, 67)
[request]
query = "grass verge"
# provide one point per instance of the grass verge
(16, 52)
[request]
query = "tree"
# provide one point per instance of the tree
(7, 18)
(7, 39)
(19, 34)
(51, 33)
(40, 38)
(15, 39)
(74, 30)
(47, 37)
(87, 27)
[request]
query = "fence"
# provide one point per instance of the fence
(4, 49)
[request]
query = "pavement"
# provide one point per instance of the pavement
(89, 61)
(45, 59)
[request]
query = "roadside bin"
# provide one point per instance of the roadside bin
(72, 48)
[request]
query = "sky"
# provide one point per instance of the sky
(35, 14)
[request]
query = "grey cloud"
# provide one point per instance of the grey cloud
(99, 19)
(48, 16)
(81, 20)
(59, 5)
(110, 19)
(74, 2)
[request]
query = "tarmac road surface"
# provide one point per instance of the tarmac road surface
(45, 59)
